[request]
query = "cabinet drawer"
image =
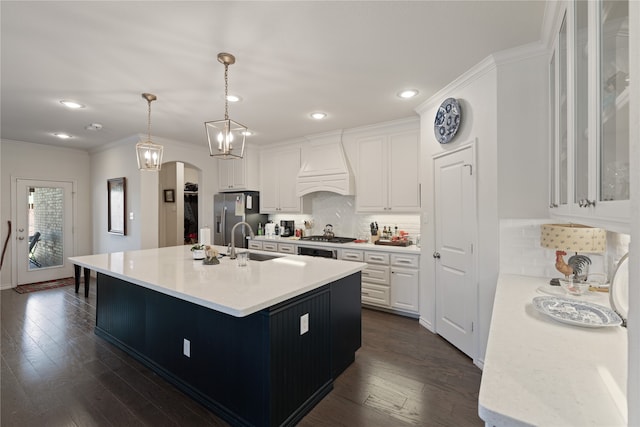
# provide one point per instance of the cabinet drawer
(378, 274)
(376, 258)
(404, 260)
(351, 255)
(287, 248)
(255, 244)
(375, 294)
(270, 246)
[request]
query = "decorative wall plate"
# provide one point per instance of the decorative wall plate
(448, 119)
(574, 312)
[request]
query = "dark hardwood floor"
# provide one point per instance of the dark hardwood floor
(57, 372)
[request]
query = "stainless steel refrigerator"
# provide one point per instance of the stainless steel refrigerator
(231, 208)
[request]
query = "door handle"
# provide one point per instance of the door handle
(436, 255)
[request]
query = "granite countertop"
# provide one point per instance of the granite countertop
(413, 249)
(226, 287)
(538, 371)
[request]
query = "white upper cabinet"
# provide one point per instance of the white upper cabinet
(278, 171)
(387, 174)
(589, 121)
(238, 174)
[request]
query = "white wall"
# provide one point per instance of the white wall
(35, 161)
(497, 85)
(144, 195)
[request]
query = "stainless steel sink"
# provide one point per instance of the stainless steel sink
(261, 257)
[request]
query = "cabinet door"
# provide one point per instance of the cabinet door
(371, 186)
(403, 181)
(288, 164)
(232, 174)
(238, 173)
(404, 289)
(224, 175)
(269, 182)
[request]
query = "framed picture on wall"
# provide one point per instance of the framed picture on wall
(116, 202)
(169, 196)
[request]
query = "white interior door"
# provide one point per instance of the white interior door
(455, 231)
(43, 230)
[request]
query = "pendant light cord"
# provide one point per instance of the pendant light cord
(226, 89)
(149, 121)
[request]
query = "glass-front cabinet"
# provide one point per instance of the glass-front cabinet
(589, 114)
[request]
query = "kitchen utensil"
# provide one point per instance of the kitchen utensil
(328, 231)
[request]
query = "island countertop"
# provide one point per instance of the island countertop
(538, 371)
(225, 287)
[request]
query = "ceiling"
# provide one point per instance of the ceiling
(346, 58)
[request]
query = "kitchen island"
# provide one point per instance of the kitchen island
(259, 345)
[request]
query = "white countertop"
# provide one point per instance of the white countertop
(413, 249)
(538, 371)
(238, 291)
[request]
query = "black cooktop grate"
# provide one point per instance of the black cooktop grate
(322, 238)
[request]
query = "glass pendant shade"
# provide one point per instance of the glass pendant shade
(226, 138)
(149, 156)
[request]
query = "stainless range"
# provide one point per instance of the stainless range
(322, 252)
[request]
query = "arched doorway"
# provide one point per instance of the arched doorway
(179, 184)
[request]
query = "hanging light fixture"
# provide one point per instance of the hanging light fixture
(149, 154)
(226, 137)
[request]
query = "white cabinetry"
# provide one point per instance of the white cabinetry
(238, 174)
(390, 280)
(278, 172)
(387, 176)
(589, 115)
(254, 244)
(405, 282)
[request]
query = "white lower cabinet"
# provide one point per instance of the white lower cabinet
(270, 246)
(287, 248)
(253, 244)
(390, 280)
(404, 289)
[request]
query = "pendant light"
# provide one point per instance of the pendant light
(149, 154)
(226, 137)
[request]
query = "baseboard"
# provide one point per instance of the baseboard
(6, 286)
(427, 325)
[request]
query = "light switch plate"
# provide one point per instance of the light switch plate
(304, 324)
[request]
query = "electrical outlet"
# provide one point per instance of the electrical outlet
(304, 324)
(186, 348)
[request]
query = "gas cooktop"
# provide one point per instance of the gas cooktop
(322, 238)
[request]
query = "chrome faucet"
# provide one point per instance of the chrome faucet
(233, 238)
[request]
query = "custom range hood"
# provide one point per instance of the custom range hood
(325, 166)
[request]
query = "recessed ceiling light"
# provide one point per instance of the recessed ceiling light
(318, 115)
(407, 93)
(62, 135)
(233, 98)
(93, 126)
(71, 104)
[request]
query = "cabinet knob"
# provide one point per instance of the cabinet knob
(436, 255)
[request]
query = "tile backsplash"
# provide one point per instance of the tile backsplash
(521, 253)
(340, 211)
